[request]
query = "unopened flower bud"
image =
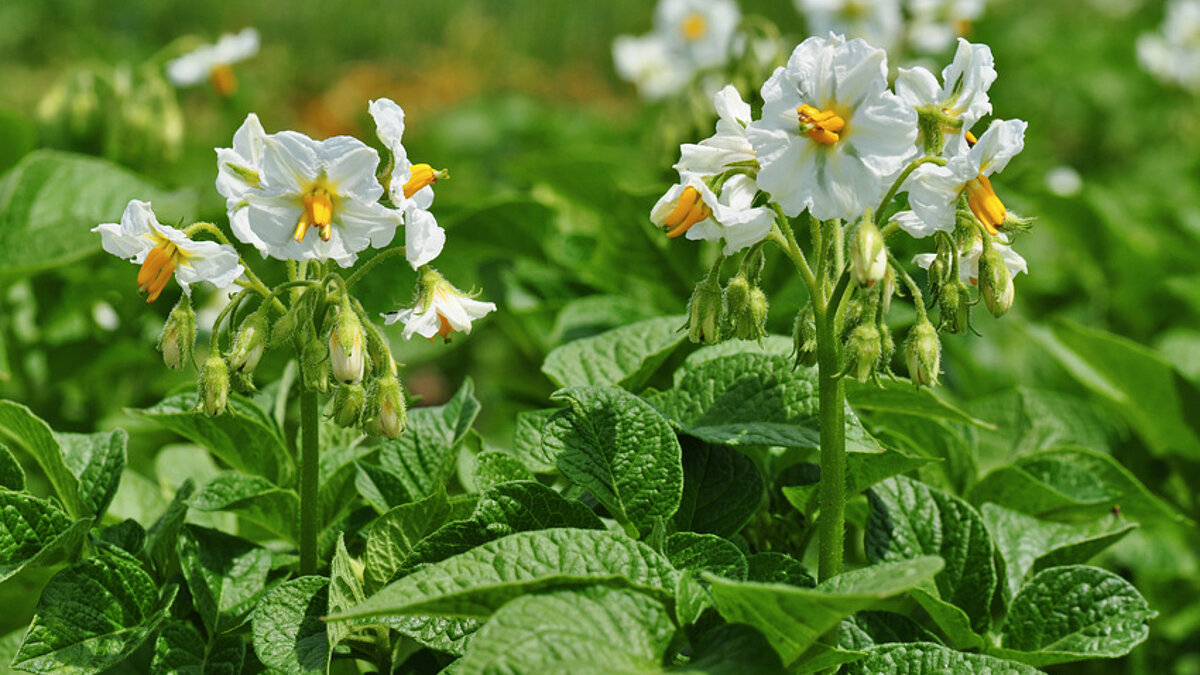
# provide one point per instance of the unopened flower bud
(386, 407)
(346, 346)
(954, 306)
(704, 313)
(863, 351)
(923, 352)
(751, 322)
(804, 338)
(249, 344)
(348, 404)
(178, 334)
(214, 386)
(995, 282)
(887, 346)
(868, 256)
(737, 295)
(887, 290)
(314, 364)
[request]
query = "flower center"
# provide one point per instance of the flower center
(318, 213)
(223, 80)
(159, 265)
(420, 177)
(689, 210)
(822, 126)
(984, 203)
(694, 26)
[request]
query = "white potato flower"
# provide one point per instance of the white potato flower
(935, 23)
(440, 309)
(647, 62)
(691, 208)
(701, 30)
(213, 62)
(1173, 55)
(962, 95)
(728, 146)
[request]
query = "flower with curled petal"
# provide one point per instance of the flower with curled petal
(962, 95)
(162, 250)
(692, 208)
(832, 137)
(440, 309)
(728, 146)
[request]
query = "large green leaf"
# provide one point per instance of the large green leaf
(92, 615)
(900, 397)
(289, 635)
(35, 532)
(12, 476)
(50, 202)
(423, 456)
(493, 467)
(181, 649)
(1027, 543)
(863, 469)
(908, 519)
(731, 649)
(621, 357)
(244, 436)
(752, 399)
(722, 489)
(345, 591)
(28, 431)
(253, 498)
(924, 658)
(476, 583)
(162, 536)
(527, 440)
(793, 619)
(707, 553)
(1072, 613)
(867, 629)
(225, 574)
(393, 535)
(97, 460)
(617, 447)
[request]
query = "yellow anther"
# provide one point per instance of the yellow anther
(157, 268)
(971, 140)
(984, 203)
(318, 213)
(421, 176)
(822, 126)
(223, 81)
(694, 26)
(689, 210)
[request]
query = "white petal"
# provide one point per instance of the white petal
(1003, 140)
(128, 239)
(917, 86)
(423, 237)
(389, 122)
(211, 262)
(966, 81)
(231, 48)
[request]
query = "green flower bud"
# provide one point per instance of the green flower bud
(995, 282)
(249, 344)
(954, 307)
(863, 351)
(214, 386)
(178, 334)
(887, 346)
(737, 295)
(868, 256)
(804, 338)
(923, 352)
(704, 313)
(346, 351)
(348, 404)
(314, 365)
(751, 322)
(386, 408)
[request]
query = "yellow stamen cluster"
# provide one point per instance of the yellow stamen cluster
(223, 80)
(822, 126)
(157, 268)
(694, 26)
(984, 203)
(318, 213)
(689, 210)
(421, 176)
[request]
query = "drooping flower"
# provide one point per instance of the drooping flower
(728, 146)
(162, 250)
(832, 137)
(1173, 55)
(968, 261)
(935, 23)
(690, 207)
(876, 21)
(305, 184)
(214, 62)
(933, 190)
(440, 309)
(962, 96)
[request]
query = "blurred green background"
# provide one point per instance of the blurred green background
(555, 164)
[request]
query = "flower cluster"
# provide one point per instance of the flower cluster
(689, 36)
(313, 203)
(1173, 55)
(835, 146)
(925, 26)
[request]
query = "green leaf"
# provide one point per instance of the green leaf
(39, 229)
(27, 430)
(475, 583)
(793, 619)
(394, 534)
(862, 471)
(722, 489)
(1027, 543)
(424, 455)
(35, 532)
(336, 478)
(253, 498)
(527, 440)
(181, 650)
(622, 357)
(902, 398)
(244, 437)
(752, 399)
(92, 615)
(626, 633)
(12, 476)
(345, 591)
(708, 553)
(1071, 483)
(289, 636)
(503, 510)
(949, 448)
(867, 629)
(923, 658)
(1072, 613)
(778, 568)
(17, 138)
(909, 519)
(225, 574)
(381, 488)
(162, 536)
(732, 649)
(1156, 399)
(495, 467)
(617, 447)
(97, 460)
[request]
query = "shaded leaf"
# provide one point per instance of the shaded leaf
(622, 357)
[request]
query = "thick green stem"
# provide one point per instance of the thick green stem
(309, 502)
(831, 527)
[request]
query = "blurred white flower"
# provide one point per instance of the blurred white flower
(647, 62)
(1174, 54)
(832, 137)
(1064, 181)
(212, 62)
(963, 92)
(689, 36)
(162, 250)
(440, 309)
(935, 23)
(876, 21)
(728, 146)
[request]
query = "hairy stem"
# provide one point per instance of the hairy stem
(308, 481)
(831, 526)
